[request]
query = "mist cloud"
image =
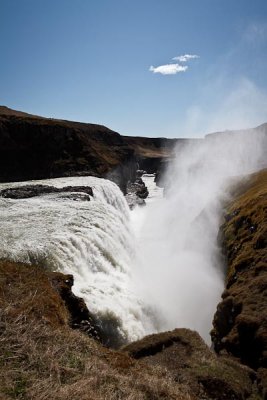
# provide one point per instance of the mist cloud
(179, 271)
(243, 105)
(256, 33)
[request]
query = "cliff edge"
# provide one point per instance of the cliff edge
(33, 147)
(240, 323)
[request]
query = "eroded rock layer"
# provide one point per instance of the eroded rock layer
(240, 323)
(33, 147)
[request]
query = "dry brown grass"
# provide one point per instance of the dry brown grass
(185, 355)
(42, 358)
(38, 362)
(27, 291)
(245, 229)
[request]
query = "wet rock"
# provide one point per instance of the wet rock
(140, 173)
(133, 200)
(27, 191)
(80, 316)
(137, 192)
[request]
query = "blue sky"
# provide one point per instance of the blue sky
(90, 60)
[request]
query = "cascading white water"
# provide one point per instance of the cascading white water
(148, 270)
(178, 268)
(90, 239)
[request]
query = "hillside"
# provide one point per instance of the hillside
(33, 147)
(42, 357)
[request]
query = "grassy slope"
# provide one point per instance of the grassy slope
(41, 357)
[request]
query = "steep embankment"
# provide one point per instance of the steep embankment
(32, 147)
(42, 357)
(153, 154)
(240, 323)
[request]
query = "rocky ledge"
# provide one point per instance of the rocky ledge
(27, 191)
(240, 323)
(137, 191)
(190, 362)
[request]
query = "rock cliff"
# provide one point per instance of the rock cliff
(32, 147)
(240, 323)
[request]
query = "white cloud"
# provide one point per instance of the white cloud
(168, 69)
(185, 57)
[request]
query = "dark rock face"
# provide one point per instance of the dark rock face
(137, 192)
(184, 354)
(123, 174)
(33, 147)
(139, 188)
(240, 323)
(153, 155)
(37, 148)
(80, 316)
(27, 191)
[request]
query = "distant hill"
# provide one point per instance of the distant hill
(34, 147)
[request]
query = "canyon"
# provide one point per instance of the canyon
(55, 343)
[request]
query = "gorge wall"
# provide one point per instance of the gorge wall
(32, 147)
(42, 356)
(240, 322)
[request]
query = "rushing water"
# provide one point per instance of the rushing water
(178, 270)
(92, 240)
(147, 270)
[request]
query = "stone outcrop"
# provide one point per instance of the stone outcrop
(46, 295)
(240, 323)
(27, 191)
(137, 191)
(80, 316)
(190, 362)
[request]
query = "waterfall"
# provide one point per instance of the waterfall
(92, 240)
(179, 271)
(153, 269)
